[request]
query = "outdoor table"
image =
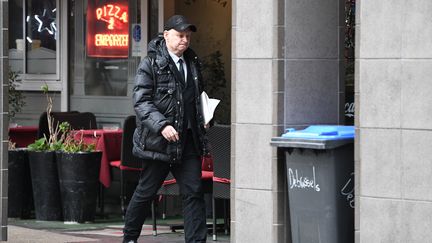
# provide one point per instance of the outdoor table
(109, 143)
(22, 136)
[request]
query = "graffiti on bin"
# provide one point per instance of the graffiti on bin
(297, 180)
(348, 190)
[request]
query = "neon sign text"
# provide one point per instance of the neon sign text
(109, 13)
(107, 28)
(111, 40)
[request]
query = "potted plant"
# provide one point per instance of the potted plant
(216, 85)
(43, 168)
(19, 183)
(78, 172)
(20, 198)
(15, 98)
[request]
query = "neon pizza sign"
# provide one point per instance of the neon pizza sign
(107, 29)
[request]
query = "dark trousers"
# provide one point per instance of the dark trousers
(188, 176)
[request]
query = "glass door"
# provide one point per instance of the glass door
(107, 40)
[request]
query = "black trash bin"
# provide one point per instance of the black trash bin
(320, 180)
(20, 198)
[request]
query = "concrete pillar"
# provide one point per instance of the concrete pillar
(257, 205)
(4, 119)
(314, 63)
(314, 84)
(287, 72)
(394, 103)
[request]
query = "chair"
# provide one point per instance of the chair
(43, 123)
(220, 141)
(129, 166)
(77, 120)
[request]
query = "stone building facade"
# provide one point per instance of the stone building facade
(288, 71)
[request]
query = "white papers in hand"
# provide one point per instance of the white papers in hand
(208, 107)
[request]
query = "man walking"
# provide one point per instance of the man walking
(170, 134)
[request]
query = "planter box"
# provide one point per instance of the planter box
(20, 198)
(79, 182)
(46, 192)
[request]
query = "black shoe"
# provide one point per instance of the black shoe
(130, 241)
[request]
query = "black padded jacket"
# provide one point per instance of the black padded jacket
(158, 102)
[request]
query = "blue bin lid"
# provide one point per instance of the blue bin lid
(324, 132)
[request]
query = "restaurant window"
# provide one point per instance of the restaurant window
(34, 39)
(100, 55)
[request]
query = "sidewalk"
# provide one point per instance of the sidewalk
(29, 231)
(24, 235)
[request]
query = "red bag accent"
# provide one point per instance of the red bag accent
(222, 180)
(207, 163)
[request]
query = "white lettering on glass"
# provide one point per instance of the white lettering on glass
(349, 109)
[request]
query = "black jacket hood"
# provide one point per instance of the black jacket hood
(156, 48)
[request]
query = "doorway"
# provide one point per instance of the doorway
(103, 84)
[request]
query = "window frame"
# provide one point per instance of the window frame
(33, 82)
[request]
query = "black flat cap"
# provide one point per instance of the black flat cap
(179, 23)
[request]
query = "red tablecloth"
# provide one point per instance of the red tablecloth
(23, 135)
(107, 141)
